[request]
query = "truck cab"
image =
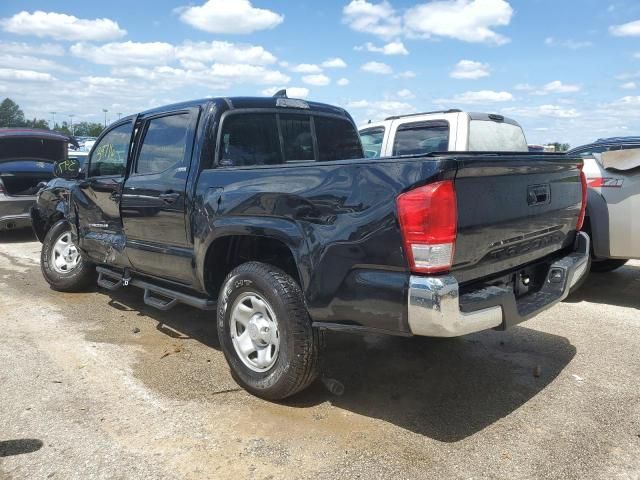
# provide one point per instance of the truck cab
(442, 131)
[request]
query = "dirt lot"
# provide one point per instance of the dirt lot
(98, 385)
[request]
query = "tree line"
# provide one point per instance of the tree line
(12, 116)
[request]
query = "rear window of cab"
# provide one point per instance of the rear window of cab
(275, 138)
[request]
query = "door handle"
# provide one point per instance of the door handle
(115, 196)
(169, 197)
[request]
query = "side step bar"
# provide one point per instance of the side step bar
(154, 295)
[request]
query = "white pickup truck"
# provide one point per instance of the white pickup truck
(442, 131)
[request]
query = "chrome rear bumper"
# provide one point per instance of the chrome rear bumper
(434, 302)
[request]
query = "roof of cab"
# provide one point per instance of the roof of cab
(251, 102)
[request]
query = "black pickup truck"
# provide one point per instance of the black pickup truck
(264, 210)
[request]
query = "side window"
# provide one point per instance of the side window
(164, 144)
(337, 139)
(421, 137)
(110, 155)
(250, 139)
(372, 141)
(297, 138)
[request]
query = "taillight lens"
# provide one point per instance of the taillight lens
(583, 206)
(606, 182)
(428, 218)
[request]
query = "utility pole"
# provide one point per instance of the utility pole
(71, 115)
(119, 115)
(53, 120)
(105, 117)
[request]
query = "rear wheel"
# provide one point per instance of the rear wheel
(61, 262)
(265, 332)
(607, 265)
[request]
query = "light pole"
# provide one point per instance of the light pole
(105, 117)
(53, 120)
(119, 115)
(71, 115)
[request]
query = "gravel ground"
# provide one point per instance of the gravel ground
(99, 386)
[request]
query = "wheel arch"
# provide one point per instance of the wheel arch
(276, 242)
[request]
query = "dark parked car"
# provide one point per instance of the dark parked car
(264, 210)
(26, 159)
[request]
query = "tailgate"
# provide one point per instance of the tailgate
(513, 210)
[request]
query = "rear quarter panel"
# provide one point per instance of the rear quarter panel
(338, 218)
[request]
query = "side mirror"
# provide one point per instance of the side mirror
(68, 169)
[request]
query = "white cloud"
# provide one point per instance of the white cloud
(343, 82)
(318, 80)
(480, 96)
(553, 111)
(523, 87)
(628, 85)
(292, 92)
(21, 48)
(406, 74)
(27, 62)
(377, 19)
(380, 108)
(469, 70)
(61, 26)
(122, 53)
(557, 111)
(636, 55)
(377, 67)
(466, 20)
(557, 87)
(306, 68)
(192, 55)
(336, 62)
(631, 29)
(226, 52)
(234, 17)
(24, 75)
(103, 81)
(570, 44)
(247, 73)
(405, 93)
(628, 76)
(392, 48)
(358, 104)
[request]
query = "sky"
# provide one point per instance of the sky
(567, 70)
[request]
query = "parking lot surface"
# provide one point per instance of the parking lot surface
(98, 385)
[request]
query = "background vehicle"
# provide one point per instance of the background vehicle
(264, 210)
(26, 160)
(442, 131)
(612, 169)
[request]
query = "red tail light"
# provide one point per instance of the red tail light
(428, 218)
(583, 207)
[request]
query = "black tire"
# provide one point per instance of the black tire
(77, 279)
(297, 363)
(608, 265)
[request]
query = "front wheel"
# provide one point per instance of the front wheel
(61, 263)
(265, 332)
